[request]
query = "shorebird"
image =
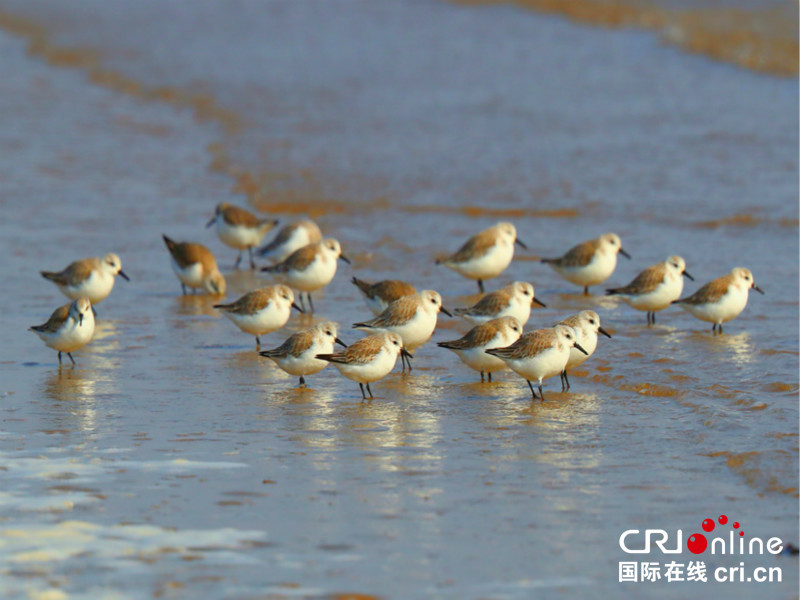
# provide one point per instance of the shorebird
(486, 254)
(310, 268)
(655, 288)
(240, 229)
(195, 267)
(369, 359)
(69, 328)
(471, 349)
(722, 299)
(590, 262)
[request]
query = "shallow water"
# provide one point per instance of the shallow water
(175, 462)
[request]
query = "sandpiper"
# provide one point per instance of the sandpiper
(291, 237)
(471, 349)
(590, 262)
(369, 359)
(539, 354)
(722, 299)
(586, 325)
(261, 311)
(412, 317)
(240, 229)
(655, 288)
(195, 267)
(486, 254)
(298, 354)
(380, 295)
(69, 328)
(310, 268)
(91, 278)
(514, 300)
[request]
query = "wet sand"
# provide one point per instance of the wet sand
(173, 461)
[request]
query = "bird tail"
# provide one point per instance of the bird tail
(334, 358)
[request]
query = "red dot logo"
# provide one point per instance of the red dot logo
(723, 519)
(741, 533)
(708, 525)
(697, 543)
(736, 525)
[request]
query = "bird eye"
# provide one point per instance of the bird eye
(527, 293)
(591, 321)
(433, 300)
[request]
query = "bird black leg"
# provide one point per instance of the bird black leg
(59, 358)
(720, 328)
(481, 375)
(586, 290)
(480, 285)
(490, 376)
(653, 317)
(238, 260)
(310, 302)
(258, 343)
(714, 328)
(530, 385)
(370, 392)
(541, 393)
(183, 288)
(70, 357)
(302, 381)
(302, 301)
(563, 385)
(566, 380)
(252, 262)
(363, 395)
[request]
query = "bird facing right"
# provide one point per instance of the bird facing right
(513, 300)
(369, 359)
(485, 254)
(412, 317)
(69, 328)
(722, 299)
(91, 278)
(590, 262)
(586, 325)
(655, 288)
(539, 354)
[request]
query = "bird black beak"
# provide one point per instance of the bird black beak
(406, 353)
(295, 305)
(579, 347)
(340, 342)
(345, 259)
(758, 289)
(212, 221)
(449, 314)
(686, 274)
(539, 302)
(520, 243)
(125, 277)
(80, 319)
(604, 332)
(624, 253)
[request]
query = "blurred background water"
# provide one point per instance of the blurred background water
(175, 462)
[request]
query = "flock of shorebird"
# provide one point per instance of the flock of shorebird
(405, 319)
